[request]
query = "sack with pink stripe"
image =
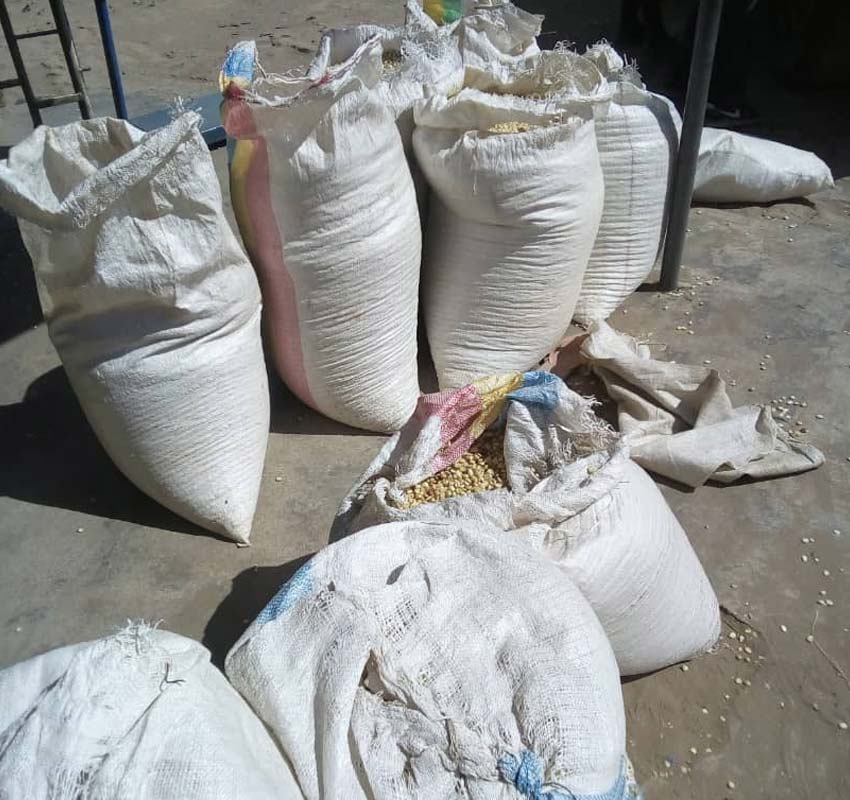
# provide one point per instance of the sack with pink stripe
(325, 203)
(571, 491)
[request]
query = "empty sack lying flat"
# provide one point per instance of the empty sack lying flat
(152, 306)
(735, 168)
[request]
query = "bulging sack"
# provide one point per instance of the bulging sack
(152, 307)
(572, 492)
(735, 168)
(436, 661)
(637, 139)
(141, 714)
(417, 61)
(326, 206)
(516, 198)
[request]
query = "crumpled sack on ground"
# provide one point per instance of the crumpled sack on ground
(141, 715)
(735, 168)
(574, 494)
(437, 661)
(680, 422)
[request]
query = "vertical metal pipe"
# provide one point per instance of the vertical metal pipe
(699, 80)
(112, 65)
(18, 62)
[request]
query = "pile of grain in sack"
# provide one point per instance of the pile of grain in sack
(636, 137)
(514, 212)
(571, 491)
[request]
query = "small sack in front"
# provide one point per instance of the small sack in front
(326, 206)
(152, 307)
(572, 491)
(735, 168)
(141, 714)
(436, 661)
(516, 199)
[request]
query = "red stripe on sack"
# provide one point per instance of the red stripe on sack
(279, 298)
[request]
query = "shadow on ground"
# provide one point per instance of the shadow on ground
(51, 457)
(250, 592)
(19, 306)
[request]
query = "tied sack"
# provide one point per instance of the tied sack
(735, 168)
(496, 34)
(436, 661)
(326, 206)
(141, 714)
(516, 198)
(572, 492)
(637, 140)
(152, 307)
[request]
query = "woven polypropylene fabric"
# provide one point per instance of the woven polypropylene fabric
(411, 660)
(152, 307)
(142, 714)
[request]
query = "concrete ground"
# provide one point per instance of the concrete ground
(81, 550)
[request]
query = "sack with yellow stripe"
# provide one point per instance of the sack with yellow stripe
(524, 453)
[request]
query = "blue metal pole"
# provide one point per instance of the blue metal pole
(111, 57)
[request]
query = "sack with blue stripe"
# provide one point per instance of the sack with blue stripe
(422, 661)
(573, 492)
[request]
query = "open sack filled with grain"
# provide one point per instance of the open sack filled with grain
(418, 660)
(417, 60)
(516, 197)
(152, 307)
(486, 31)
(140, 714)
(564, 484)
(326, 206)
(637, 139)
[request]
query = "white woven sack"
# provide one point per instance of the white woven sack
(496, 34)
(735, 168)
(152, 307)
(637, 140)
(430, 63)
(436, 661)
(513, 219)
(330, 211)
(141, 715)
(576, 495)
